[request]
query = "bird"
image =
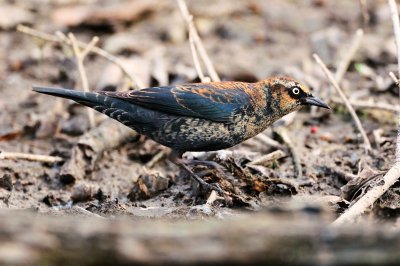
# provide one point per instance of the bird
(198, 116)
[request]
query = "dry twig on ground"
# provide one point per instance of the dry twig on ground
(30, 157)
(393, 174)
(54, 38)
(330, 77)
(364, 12)
(87, 213)
(283, 132)
(266, 159)
(394, 78)
(369, 105)
(80, 57)
(196, 46)
(156, 158)
(264, 139)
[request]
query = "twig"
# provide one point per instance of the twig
(344, 64)
(282, 131)
(394, 78)
(370, 197)
(266, 159)
(393, 174)
(30, 157)
(196, 45)
(370, 105)
(38, 34)
(334, 170)
(192, 43)
(345, 100)
(80, 57)
(364, 12)
(51, 38)
(156, 158)
(86, 212)
(196, 60)
(213, 197)
(264, 139)
(286, 181)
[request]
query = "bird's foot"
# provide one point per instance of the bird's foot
(214, 165)
(176, 157)
(206, 186)
(213, 186)
(203, 184)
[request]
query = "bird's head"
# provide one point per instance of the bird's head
(290, 95)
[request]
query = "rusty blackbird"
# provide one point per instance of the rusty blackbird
(199, 116)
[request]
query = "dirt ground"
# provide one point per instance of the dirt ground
(246, 41)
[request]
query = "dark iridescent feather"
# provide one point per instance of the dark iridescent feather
(202, 100)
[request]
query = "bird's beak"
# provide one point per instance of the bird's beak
(311, 100)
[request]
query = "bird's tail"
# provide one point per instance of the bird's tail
(120, 110)
(89, 99)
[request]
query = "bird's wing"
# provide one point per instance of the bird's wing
(217, 102)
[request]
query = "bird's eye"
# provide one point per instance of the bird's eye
(296, 91)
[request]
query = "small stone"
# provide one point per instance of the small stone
(83, 192)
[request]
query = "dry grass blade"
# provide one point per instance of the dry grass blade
(329, 75)
(394, 78)
(80, 57)
(268, 158)
(30, 157)
(196, 45)
(283, 132)
(53, 38)
(364, 12)
(196, 60)
(369, 105)
(265, 140)
(156, 158)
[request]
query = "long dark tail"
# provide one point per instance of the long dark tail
(89, 99)
(122, 111)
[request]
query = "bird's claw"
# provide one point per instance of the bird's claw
(206, 186)
(221, 170)
(214, 186)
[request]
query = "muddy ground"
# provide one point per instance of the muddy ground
(247, 41)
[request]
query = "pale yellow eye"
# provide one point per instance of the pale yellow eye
(295, 91)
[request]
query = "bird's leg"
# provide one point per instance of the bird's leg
(176, 158)
(219, 168)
